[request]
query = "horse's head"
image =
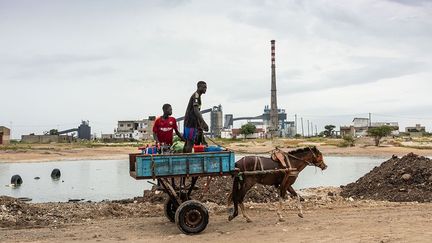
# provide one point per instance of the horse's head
(317, 158)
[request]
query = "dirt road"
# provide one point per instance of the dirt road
(393, 222)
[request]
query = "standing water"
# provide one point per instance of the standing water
(97, 180)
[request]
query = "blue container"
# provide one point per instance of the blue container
(153, 166)
(151, 150)
(213, 148)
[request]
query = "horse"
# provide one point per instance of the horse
(267, 171)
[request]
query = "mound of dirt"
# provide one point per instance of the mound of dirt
(17, 214)
(403, 179)
(217, 191)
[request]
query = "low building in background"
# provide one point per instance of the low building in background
(393, 125)
(360, 126)
(416, 131)
(235, 133)
(135, 129)
(4, 135)
(47, 138)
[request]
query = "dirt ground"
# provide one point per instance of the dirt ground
(328, 217)
(355, 222)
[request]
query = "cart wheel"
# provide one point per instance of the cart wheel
(191, 217)
(170, 209)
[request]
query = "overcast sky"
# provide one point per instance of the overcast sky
(66, 61)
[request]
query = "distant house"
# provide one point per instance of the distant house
(4, 135)
(135, 129)
(235, 133)
(393, 125)
(360, 126)
(416, 131)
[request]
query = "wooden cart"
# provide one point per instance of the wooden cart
(190, 216)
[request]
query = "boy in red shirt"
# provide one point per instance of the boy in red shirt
(164, 125)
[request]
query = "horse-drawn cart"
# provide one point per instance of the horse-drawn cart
(190, 216)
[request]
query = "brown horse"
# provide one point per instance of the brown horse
(253, 169)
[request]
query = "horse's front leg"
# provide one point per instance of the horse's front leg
(282, 194)
(298, 199)
(280, 210)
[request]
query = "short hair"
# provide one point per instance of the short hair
(201, 83)
(165, 106)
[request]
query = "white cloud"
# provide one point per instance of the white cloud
(103, 61)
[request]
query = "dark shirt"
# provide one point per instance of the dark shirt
(191, 120)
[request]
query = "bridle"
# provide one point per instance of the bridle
(306, 161)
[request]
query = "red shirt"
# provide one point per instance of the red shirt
(164, 129)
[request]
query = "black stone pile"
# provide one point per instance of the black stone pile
(405, 179)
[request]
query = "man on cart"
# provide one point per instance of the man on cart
(194, 123)
(164, 126)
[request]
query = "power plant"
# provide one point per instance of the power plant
(272, 118)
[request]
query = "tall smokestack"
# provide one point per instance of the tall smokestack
(274, 121)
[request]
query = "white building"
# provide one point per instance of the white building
(135, 129)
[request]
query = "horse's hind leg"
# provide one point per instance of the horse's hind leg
(244, 213)
(246, 187)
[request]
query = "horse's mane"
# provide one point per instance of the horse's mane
(305, 149)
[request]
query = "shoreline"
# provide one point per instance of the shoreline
(48, 153)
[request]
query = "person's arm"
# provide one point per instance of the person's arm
(155, 129)
(201, 121)
(155, 137)
(179, 135)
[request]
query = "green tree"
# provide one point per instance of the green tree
(379, 132)
(329, 130)
(53, 132)
(247, 129)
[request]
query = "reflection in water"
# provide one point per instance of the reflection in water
(97, 180)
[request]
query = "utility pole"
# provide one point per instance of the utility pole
(312, 130)
(370, 117)
(302, 126)
(316, 130)
(308, 128)
(295, 124)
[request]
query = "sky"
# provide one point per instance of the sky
(103, 61)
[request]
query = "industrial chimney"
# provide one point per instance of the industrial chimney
(274, 121)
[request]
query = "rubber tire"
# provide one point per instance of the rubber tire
(170, 210)
(16, 180)
(55, 174)
(181, 214)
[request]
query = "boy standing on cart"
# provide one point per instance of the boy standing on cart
(194, 123)
(164, 126)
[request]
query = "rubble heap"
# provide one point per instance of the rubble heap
(218, 191)
(403, 179)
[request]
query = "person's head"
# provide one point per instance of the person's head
(167, 109)
(201, 87)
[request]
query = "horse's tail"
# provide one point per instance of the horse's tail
(235, 189)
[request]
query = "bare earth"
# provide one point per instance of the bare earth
(355, 222)
(326, 220)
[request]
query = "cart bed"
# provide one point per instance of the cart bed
(153, 166)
